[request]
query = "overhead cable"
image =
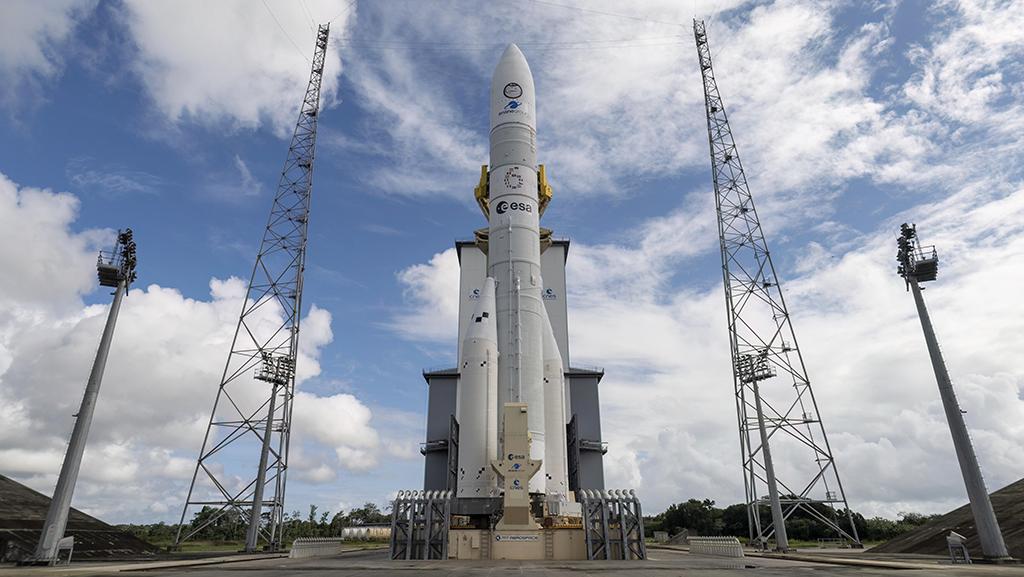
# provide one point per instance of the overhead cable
(288, 36)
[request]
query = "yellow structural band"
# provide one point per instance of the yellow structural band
(482, 191)
(543, 190)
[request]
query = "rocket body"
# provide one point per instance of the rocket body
(509, 352)
(514, 246)
(477, 401)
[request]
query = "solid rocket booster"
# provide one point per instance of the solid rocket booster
(514, 246)
(557, 470)
(477, 402)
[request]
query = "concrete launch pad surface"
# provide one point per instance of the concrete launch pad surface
(662, 563)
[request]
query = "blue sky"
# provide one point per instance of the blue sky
(851, 118)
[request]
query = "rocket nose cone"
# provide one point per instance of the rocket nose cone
(512, 60)
(512, 51)
(512, 90)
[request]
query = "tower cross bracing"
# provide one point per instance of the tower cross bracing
(251, 418)
(764, 351)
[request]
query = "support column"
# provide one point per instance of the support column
(778, 521)
(992, 544)
(57, 516)
(253, 536)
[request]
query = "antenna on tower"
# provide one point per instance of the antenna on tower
(251, 416)
(763, 347)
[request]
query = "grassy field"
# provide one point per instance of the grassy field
(203, 546)
(238, 546)
(814, 544)
(795, 543)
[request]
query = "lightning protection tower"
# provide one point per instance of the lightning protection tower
(918, 264)
(252, 413)
(773, 422)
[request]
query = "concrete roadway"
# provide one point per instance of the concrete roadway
(662, 563)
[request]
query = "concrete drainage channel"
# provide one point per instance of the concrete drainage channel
(730, 547)
(313, 547)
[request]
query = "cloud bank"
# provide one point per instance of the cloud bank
(165, 363)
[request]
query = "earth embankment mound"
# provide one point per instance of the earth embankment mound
(930, 538)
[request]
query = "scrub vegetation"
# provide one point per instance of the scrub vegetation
(227, 533)
(702, 517)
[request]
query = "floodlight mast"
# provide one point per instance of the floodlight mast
(261, 364)
(115, 269)
(919, 264)
(763, 343)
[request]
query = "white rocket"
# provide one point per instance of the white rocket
(529, 367)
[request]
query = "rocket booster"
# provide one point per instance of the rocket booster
(477, 401)
(555, 451)
(514, 246)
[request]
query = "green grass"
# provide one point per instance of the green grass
(801, 544)
(204, 546)
(795, 543)
(236, 546)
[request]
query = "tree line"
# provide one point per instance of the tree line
(231, 525)
(699, 517)
(702, 517)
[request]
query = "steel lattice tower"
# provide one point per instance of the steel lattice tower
(252, 412)
(763, 346)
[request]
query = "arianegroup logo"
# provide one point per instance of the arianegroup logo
(513, 106)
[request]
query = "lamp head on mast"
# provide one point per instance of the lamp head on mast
(916, 263)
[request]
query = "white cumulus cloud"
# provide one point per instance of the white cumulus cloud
(32, 38)
(165, 362)
(232, 63)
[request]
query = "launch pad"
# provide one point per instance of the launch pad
(513, 457)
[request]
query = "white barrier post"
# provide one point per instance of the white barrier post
(308, 547)
(716, 546)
